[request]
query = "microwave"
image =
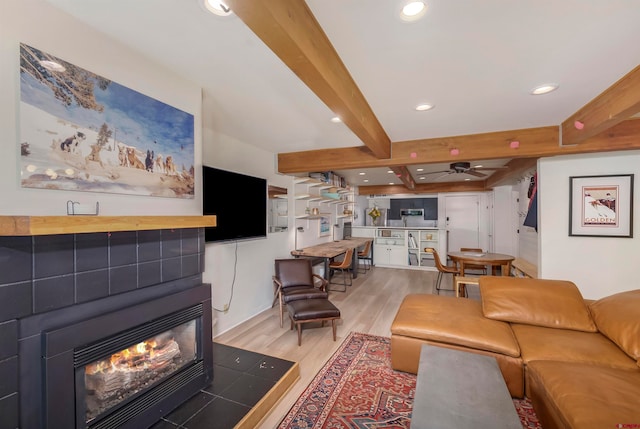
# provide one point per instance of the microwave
(411, 212)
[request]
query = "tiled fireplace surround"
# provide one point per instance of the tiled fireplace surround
(61, 274)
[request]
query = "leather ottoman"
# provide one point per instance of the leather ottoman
(312, 310)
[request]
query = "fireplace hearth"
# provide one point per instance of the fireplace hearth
(70, 301)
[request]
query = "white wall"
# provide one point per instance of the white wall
(252, 290)
(505, 223)
(599, 266)
(38, 24)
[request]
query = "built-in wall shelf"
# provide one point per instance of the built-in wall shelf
(49, 225)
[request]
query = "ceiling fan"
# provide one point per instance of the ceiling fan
(466, 168)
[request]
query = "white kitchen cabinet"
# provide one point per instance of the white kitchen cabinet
(390, 247)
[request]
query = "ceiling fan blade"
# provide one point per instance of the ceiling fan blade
(475, 173)
(489, 168)
(434, 172)
(446, 173)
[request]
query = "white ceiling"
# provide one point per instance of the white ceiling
(475, 60)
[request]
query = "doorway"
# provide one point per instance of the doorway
(462, 215)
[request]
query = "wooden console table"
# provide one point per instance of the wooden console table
(461, 390)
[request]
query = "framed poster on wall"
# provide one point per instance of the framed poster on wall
(601, 206)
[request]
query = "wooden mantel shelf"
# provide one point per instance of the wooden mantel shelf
(48, 225)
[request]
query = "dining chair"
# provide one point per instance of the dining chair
(476, 268)
(344, 266)
(294, 280)
(442, 269)
(365, 256)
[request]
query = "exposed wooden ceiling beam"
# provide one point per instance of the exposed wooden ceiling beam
(516, 168)
(290, 30)
(424, 188)
(533, 143)
(618, 103)
(403, 173)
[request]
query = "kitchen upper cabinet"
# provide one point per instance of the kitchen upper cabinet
(394, 209)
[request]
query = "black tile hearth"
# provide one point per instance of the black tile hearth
(240, 379)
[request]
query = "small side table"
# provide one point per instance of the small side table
(457, 389)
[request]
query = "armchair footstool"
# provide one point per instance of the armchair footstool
(312, 310)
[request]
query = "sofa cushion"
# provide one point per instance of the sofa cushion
(580, 396)
(453, 321)
(618, 317)
(541, 343)
(550, 303)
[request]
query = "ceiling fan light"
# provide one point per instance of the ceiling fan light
(336, 120)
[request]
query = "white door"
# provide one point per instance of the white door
(462, 215)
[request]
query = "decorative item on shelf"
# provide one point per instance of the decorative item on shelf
(307, 210)
(375, 214)
(429, 236)
(347, 212)
(315, 211)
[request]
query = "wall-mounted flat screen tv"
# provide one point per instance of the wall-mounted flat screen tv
(239, 202)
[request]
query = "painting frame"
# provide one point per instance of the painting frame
(80, 131)
(601, 206)
(324, 226)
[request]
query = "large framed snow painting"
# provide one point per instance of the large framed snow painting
(82, 132)
(601, 206)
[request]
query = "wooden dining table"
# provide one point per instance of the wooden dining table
(483, 258)
(331, 249)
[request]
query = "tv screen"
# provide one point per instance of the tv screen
(239, 203)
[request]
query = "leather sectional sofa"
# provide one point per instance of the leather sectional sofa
(578, 361)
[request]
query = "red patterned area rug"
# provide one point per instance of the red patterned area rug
(357, 389)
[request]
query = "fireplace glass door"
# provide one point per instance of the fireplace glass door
(114, 379)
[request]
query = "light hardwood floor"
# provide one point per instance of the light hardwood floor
(369, 306)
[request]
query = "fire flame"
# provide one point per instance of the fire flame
(136, 356)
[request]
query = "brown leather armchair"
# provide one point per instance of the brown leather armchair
(294, 280)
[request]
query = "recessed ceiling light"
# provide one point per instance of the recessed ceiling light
(544, 89)
(362, 173)
(390, 171)
(420, 169)
(422, 177)
(478, 166)
(217, 7)
(413, 10)
(466, 180)
(336, 119)
(424, 106)
(391, 183)
(366, 180)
